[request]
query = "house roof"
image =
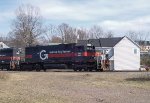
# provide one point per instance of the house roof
(2, 45)
(101, 42)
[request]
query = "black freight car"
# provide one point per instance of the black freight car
(70, 55)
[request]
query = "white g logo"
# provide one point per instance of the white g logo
(43, 56)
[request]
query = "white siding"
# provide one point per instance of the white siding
(124, 56)
(111, 65)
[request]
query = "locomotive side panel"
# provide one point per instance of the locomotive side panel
(48, 55)
(52, 54)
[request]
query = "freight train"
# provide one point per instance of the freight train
(72, 56)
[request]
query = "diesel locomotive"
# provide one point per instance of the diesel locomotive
(71, 56)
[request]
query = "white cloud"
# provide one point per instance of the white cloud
(82, 11)
(117, 15)
(137, 24)
(59, 10)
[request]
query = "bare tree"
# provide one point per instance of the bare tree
(71, 35)
(51, 31)
(138, 36)
(82, 34)
(27, 26)
(4, 39)
(96, 32)
(67, 33)
(143, 36)
(63, 31)
(132, 35)
(56, 39)
(109, 34)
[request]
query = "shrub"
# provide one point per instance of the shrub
(145, 60)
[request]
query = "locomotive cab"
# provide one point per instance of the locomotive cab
(85, 58)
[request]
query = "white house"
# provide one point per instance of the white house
(2, 45)
(123, 53)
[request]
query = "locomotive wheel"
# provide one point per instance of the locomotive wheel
(90, 69)
(85, 69)
(2, 68)
(44, 70)
(101, 70)
(8, 68)
(98, 70)
(21, 68)
(80, 69)
(75, 69)
(37, 67)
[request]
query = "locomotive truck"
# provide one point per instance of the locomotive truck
(72, 56)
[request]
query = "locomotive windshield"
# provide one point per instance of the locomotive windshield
(90, 48)
(85, 48)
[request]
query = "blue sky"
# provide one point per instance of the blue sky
(118, 16)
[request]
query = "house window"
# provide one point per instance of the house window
(135, 51)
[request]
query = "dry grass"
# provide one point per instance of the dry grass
(75, 87)
(4, 75)
(140, 78)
